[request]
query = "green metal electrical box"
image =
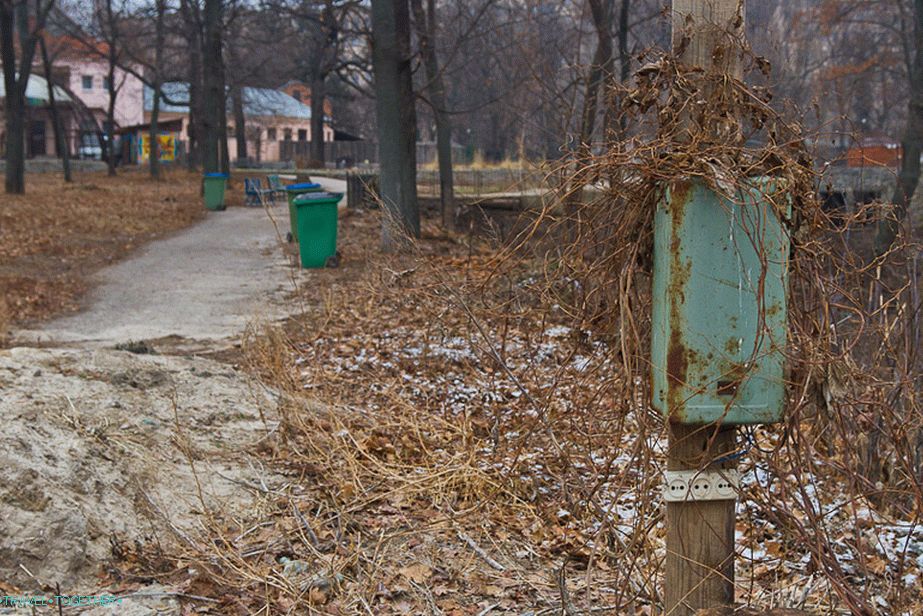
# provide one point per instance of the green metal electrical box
(720, 284)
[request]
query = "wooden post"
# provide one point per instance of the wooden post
(699, 571)
(699, 568)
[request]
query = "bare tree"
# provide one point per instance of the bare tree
(213, 99)
(391, 60)
(160, 9)
(109, 17)
(60, 140)
(15, 31)
(435, 91)
(912, 138)
(191, 15)
(323, 31)
(601, 68)
(236, 90)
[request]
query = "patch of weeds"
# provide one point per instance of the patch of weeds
(139, 347)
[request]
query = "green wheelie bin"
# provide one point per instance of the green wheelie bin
(316, 220)
(292, 191)
(214, 185)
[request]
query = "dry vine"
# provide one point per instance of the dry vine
(466, 428)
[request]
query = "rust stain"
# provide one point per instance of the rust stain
(677, 354)
(677, 368)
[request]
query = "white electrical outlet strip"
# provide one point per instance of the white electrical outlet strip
(686, 486)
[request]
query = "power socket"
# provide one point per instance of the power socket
(708, 485)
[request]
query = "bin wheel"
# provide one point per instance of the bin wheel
(333, 261)
(289, 237)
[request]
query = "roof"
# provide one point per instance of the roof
(878, 140)
(257, 101)
(37, 90)
(174, 125)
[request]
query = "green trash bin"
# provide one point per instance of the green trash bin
(316, 215)
(215, 184)
(292, 191)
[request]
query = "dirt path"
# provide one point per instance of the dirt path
(106, 447)
(205, 283)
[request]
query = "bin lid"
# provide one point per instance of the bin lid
(216, 175)
(297, 187)
(317, 198)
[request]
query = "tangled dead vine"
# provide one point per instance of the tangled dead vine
(468, 428)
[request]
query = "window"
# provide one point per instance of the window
(106, 84)
(271, 134)
(87, 82)
(287, 134)
(302, 134)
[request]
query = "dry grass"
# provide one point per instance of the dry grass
(465, 428)
(57, 234)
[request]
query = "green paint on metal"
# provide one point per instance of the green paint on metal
(215, 184)
(720, 284)
(316, 221)
(292, 191)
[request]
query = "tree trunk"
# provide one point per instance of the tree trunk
(600, 71)
(153, 129)
(911, 142)
(60, 143)
(240, 122)
(14, 18)
(391, 60)
(223, 123)
(625, 65)
(212, 97)
(15, 146)
(318, 95)
(194, 44)
(159, 36)
(435, 89)
(113, 91)
(237, 98)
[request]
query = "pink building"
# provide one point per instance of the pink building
(88, 79)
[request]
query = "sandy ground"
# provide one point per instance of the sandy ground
(107, 447)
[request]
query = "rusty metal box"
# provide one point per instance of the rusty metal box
(720, 284)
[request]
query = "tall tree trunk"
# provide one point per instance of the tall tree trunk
(240, 122)
(14, 19)
(318, 95)
(391, 61)
(237, 100)
(152, 135)
(625, 66)
(600, 71)
(322, 64)
(159, 36)
(435, 89)
(212, 98)
(223, 123)
(60, 142)
(113, 90)
(193, 34)
(911, 142)
(15, 145)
